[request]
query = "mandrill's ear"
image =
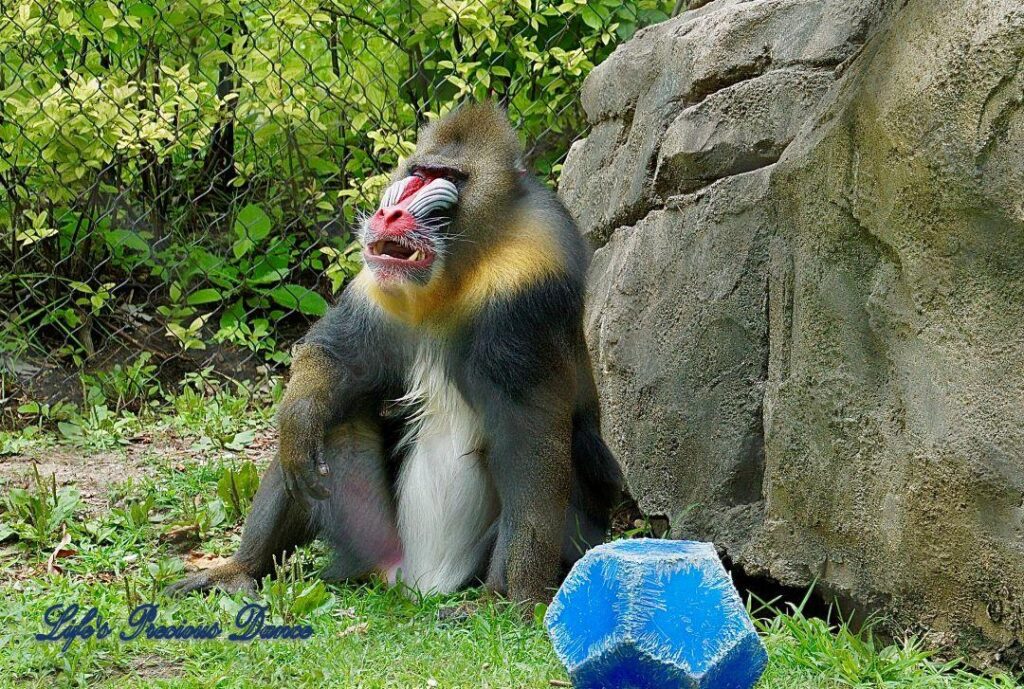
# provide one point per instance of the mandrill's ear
(520, 164)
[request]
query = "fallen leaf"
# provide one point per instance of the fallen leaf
(62, 550)
(179, 534)
(196, 560)
(559, 683)
(355, 629)
(263, 441)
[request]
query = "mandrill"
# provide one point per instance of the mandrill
(441, 422)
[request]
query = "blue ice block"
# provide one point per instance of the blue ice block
(654, 614)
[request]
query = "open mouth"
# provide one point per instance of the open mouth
(391, 252)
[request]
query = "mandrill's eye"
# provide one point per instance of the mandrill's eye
(432, 172)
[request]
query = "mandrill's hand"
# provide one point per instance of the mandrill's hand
(303, 421)
(302, 444)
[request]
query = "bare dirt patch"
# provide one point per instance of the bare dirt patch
(95, 473)
(154, 667)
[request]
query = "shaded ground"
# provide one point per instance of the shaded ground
(43, 379)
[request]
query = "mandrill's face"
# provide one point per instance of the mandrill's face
(406, 239)
(449, 203)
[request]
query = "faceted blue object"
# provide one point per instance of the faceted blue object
(654, 614)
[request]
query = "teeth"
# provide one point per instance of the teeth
(415, 255)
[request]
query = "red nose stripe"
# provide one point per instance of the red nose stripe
(411, 187)
(395, 219)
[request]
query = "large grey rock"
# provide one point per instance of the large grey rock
(645, 84)
(807, 302)
(678, 313)
(737, 129)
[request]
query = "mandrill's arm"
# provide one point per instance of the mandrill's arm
(520, 373)
(341, 370)
(329, 418)
(312, 404)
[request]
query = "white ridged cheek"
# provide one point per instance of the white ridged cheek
(437, 195)
(394, 192)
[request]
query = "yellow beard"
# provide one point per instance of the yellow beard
(523, 258)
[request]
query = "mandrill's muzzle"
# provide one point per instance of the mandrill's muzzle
(401, 239)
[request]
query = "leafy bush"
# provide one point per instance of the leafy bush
(197, 167)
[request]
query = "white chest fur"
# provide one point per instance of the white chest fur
(446, 501)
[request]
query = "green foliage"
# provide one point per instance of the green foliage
(135, 514)
(367, 635)
(236, 488)
(39, 514)
(125, 386)
(813, 652)
(19, 441)
(220, 417)
(199, 167)
(293, 593)
(201, 518)
(127, 403)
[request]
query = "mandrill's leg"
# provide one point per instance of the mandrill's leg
(356, 519)
(275, 526)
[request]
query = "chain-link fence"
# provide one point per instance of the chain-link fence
(179, 178)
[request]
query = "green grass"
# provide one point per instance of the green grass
(117, 557)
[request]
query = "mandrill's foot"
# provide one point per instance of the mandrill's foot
(229, 578)
(459, 612)
(462, 611)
